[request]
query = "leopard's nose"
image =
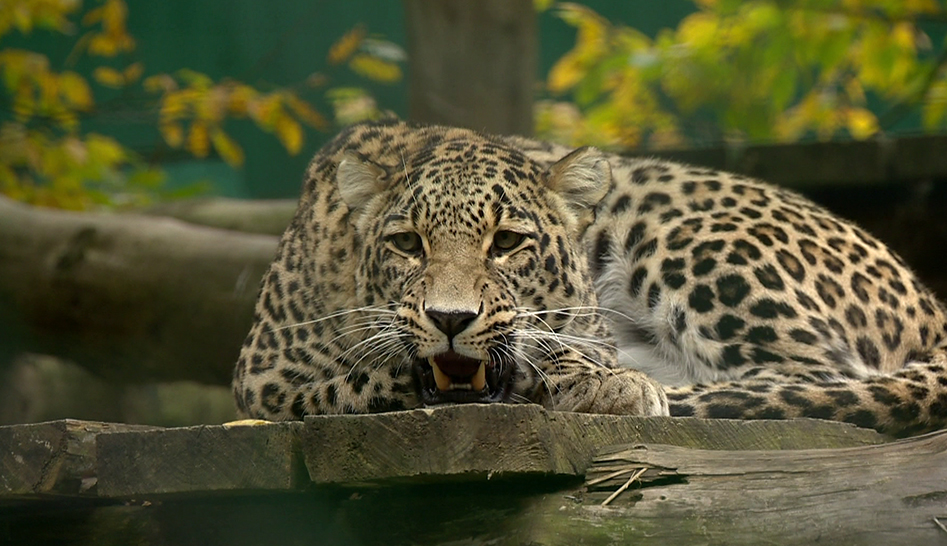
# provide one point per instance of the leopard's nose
(450, 322)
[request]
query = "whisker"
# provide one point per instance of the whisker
(379, 310)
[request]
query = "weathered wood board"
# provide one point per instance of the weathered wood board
(477, 441)
(51, 458)
(472, 474)
(201, 459)
(882, 494)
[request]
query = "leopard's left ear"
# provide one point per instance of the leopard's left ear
(582, 179)
(359, 180)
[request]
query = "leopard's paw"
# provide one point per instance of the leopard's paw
(618, 392)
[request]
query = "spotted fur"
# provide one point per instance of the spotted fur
(585, 282)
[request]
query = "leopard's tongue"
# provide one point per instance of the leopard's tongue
(453, 371)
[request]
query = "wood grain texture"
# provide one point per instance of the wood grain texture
(476, 442)
(882, 494)
(200, 459)
(57, 457)
(471, 474)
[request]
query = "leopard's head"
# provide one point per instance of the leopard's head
(468, 255)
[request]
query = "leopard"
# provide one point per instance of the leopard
(430, 265)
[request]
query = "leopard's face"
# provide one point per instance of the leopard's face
(471, 267)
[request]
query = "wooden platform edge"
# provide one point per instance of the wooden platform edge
(469, 443)
(881, 494)
(52, 458)
(478, 442)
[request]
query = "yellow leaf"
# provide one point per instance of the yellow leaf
(240, 98)
(375, 69)
(210, 104)
(903, 35)
(265, 110)
(67, 119)
(306, 112)
(93, 16)
(102, 45)
(195, 79)
(159, 82)
(228, 150)
(351, 105)
(132, 72)
(197, 141)
(542, 5)
(75, 90)
(861, 123)
(113, 15)
(289, 133)
(855, 91)
(172, 133)
(24, 104)
(75, 149)
(104, 149)
(108, 77)
(345, 46)
(565, 74)
(22, 20)
(175, 104)
(934, 108)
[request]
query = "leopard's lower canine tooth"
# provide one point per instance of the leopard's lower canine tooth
(443, 382)
(479, 380)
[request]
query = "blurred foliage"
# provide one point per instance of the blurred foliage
(762, 70)
(46, 157)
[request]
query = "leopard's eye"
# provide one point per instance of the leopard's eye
(505, 241)
(408, 242)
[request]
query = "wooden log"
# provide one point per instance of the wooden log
(882, 494)
(57, 457)
(132, 298)
(473, 64)
(268, 217)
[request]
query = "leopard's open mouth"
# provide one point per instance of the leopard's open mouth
(453, 378)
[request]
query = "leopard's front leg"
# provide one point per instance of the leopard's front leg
(576, 382)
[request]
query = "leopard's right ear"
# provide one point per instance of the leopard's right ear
(359, 180)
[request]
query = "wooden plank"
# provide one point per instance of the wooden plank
(476, 442)
(57, 457)
(200, 460)
(469, 442)
(497, 474)
(882, 494)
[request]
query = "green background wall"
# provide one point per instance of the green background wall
(279, 43)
